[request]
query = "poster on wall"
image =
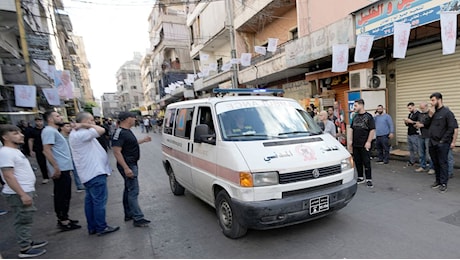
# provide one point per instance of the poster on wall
(63, 83)
(25, 95)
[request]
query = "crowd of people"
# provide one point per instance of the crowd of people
(62, 150)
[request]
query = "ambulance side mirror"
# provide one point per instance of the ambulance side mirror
(202, 135)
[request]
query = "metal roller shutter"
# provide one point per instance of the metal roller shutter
(424, 71)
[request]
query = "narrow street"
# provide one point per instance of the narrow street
(402, 217)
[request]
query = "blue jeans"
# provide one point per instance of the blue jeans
(423, 152)
(450, 163)
(412, 143)
(95, 202)
(130, 194)
(383, 148)
(23, 218)
(439, 154)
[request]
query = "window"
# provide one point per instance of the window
(205, 117)
(169, 121)
(219, 64)
(294, 34)
(183, 125)
(133, 87)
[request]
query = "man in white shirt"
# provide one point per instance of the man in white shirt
(93, 167)
(19, 189)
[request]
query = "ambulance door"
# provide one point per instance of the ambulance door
(182, 142)
(204, 156)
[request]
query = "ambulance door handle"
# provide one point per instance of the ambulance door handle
(191, 147)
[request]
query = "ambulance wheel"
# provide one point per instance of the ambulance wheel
(227, 218)
(176, 188)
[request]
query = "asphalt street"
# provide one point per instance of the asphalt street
(401, 217)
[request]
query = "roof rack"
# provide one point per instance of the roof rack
(247, 91)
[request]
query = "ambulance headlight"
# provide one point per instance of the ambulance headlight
(346, 164)
(265, 178)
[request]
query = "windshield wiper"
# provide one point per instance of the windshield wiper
(245, 135)
(295, 132)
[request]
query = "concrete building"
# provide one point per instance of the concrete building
(81, 66)
(129, 84)
(170, 54)
(109, 104)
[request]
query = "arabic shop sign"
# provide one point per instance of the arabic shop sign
(378, 19)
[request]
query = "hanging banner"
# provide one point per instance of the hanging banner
(401, 39)
(363, 47)
(52, 96)
(448, 32)
(272, 43)
(227, 66)
(213, 66)
(25, 95)
(246, 59)
(339, 58)
(63, 83)
(260, 49)
(191, 77)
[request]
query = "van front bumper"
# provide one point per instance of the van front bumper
(293, 209)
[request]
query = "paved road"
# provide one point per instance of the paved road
(402, 217)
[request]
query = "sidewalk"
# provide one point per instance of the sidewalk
(403, 155)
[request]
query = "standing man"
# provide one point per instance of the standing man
(19, 189)
(442, 125)
(362, 132)
(412, 132)
(327, 124)
(384, 130)
(126, 151)
(36, 148)
(92, 163)
(57, 153)
(426, 164)
(65, 130)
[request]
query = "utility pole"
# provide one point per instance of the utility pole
(24, 47)
(229, 7)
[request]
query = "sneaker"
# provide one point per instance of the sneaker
(3, 212)
(431, 171)
(108, 230)
(435, 185)
(39, 244)
(379, 162)
(31, 252)
(68, 227)
(80, 190)
(45, 181)
(369, 184)
(410, 164)
(128, 218)
(360, 180)
(141, 223)
(443, 188)
(420, 169)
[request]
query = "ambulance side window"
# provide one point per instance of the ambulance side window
(169, 121)
(183, 126)
(205, 117)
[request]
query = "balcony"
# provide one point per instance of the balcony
(255, 13)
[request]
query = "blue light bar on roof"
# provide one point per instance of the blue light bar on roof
(247, 90)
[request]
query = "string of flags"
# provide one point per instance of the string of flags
(401, 33)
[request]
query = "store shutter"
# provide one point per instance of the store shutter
(424, 71)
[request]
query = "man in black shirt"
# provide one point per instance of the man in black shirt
(362, 132)
(126, 150)
(441, 130)
(36, 148)
(412, 132)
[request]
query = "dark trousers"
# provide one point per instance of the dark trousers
(439, 155)
(383, 148)
(41, 160)
(362, 159)
(62, 194)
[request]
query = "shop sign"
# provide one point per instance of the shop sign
(377, 19)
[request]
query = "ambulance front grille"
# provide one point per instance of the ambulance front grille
(308, 174)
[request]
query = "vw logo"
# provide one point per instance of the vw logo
(315, 173)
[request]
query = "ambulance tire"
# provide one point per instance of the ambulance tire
(176, 188)
(226, 216)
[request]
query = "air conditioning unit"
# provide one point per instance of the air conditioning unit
(378, 81)
(359, 79)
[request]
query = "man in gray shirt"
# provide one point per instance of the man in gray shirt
(59, 161)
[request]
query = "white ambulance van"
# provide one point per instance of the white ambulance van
(260, 161)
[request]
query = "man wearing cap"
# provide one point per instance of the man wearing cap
(126, 151)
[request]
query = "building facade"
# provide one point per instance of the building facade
(109, 104)
(129, 84)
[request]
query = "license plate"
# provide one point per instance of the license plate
(319, 204)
